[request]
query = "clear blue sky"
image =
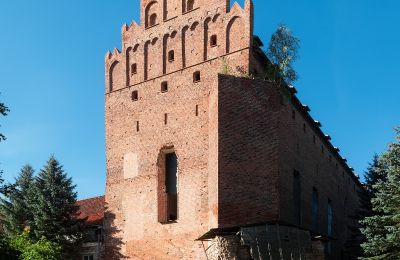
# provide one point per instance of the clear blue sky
(52, 76)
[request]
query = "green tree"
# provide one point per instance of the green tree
(282, 52)
(55, 212)
(16, 204)
(382, 230)
(29, 249)
(3, 112)
(374, 174)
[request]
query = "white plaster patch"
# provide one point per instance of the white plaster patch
(131, 165)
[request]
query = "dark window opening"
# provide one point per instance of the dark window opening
(135, 95)
(297, 197)
(189, 5)
(197, 110)
(213, 41)
(315, 207)
(165, 119)
(171, 56)
(171, 181)
(164, 87)
(196, 76)
(137, 126)
(330, 218)
(153, 20)
(133, 69)
(88, 257)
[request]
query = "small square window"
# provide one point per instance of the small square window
(134, 69)
(213, 41)
(135, 95)
(171, 56)
(196, 76)
(164, 87)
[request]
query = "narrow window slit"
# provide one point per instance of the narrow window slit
(196, 76)
(171, 56)
(213, 41)
(135, 95)
(164, 87)
(133, 69)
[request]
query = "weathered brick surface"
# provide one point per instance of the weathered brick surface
(320, 167)
(234, 137)
(248, 151)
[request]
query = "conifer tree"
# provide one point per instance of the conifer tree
(16, 206)
(55, 211)
(3, 112)
(382, 230)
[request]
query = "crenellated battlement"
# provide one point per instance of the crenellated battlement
(167, 41)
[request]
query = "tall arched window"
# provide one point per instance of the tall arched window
(297, 198)
(315, 209)
(168, 187)
(151, 11)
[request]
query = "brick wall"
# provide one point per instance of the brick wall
(136, 133)
(304, 149)
(235, 140)
(248, 151)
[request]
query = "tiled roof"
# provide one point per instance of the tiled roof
(92, 210)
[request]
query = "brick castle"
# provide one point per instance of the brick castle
(204, 158)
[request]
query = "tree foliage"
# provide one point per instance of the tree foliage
(3, 112)
(16, 205)
(46, 205)
(382, 230)
(29, 249)
(55, 213)
(282, 52)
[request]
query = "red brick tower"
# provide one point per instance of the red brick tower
(190, 150)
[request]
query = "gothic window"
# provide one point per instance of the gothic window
(315, 207)
(297, 197)
(330, 218)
